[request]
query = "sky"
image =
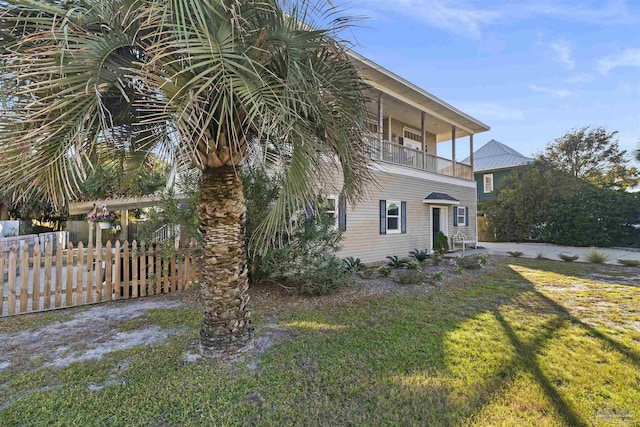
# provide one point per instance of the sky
(532, 70)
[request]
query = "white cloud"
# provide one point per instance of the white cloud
(488, 110)
(626, 58)
(471, 17)
(460, 17)
(556, 93)
(563, 51)
(580, 78)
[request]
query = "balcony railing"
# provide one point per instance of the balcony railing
(391, 152)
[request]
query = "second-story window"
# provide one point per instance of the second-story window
(412, 134)
(488, 183)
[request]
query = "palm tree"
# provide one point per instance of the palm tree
(202, 80)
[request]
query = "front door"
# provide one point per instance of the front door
(439, 222)
(435, 222)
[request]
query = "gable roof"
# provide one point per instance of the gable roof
(496, 155)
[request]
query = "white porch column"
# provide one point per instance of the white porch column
(471, 152)
(453, 148)
(380, 117)
(423, 134)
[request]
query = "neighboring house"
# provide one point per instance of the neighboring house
(417, 192)
(492, 163)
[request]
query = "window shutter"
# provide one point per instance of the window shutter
(403, 215)
(466, 217)
(455, 216)
(383, 217)
(342, 214)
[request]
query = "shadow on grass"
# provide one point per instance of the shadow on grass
(439, 358)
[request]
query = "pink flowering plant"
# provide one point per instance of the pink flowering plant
(104, 217)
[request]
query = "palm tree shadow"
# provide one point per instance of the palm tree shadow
(527, 354)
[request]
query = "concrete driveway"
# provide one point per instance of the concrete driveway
(533, 250)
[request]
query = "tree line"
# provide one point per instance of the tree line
(581, 190)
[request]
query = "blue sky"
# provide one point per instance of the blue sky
(532, 70)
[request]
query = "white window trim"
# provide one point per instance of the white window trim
(484, 181)
(414, 131)
(386, 217)
(336, 200)
(464, 216)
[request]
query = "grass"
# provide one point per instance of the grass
(568, 258)
(526, 342)
(596, 257)
(629, 262)
(515, 254)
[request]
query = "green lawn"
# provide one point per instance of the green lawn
(527, 342)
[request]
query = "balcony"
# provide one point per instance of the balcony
(397, 154)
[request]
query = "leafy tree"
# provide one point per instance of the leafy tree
(595, 217)
(525, 196)
(593, 155)
(200, 81)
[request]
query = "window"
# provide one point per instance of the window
(372, 126)
(394, 216)
(488, 183)
(331, 209)
(412, 134)
(461, 216)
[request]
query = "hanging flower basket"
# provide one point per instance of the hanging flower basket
(105, 221)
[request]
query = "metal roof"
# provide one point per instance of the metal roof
(496, 155)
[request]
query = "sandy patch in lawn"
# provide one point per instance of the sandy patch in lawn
(89, 335)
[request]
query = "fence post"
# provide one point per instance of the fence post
(58, 296)
(48, 258)
(13, 266)
(24, 276)
(90, 273)
(69, 289)
(99, 266)
(1, 280)
(125, 269)
(118, 264)
(80, 275)
(108, 272)
(134, 269)
(143, 270)
(35, 296)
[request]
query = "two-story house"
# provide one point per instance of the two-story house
(418, 191)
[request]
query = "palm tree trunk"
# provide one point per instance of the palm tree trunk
(226, 327)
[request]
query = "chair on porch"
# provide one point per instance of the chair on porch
(461, 239)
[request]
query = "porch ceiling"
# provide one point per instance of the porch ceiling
(406, 113)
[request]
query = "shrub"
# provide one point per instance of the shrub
(629, 262)
(441, 244)
(437, 258)
(568, 258)
(323, 276)
(395, 262)
(459, 269)
(351, 264)
(596, 257)
(384, 271)
(595, 217)
(419, 254)
(515, 254)
(437, 276)
(472, 262)
(410, 277)
(413, 265)
(367, 272)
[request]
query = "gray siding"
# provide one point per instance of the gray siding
(363, 239)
